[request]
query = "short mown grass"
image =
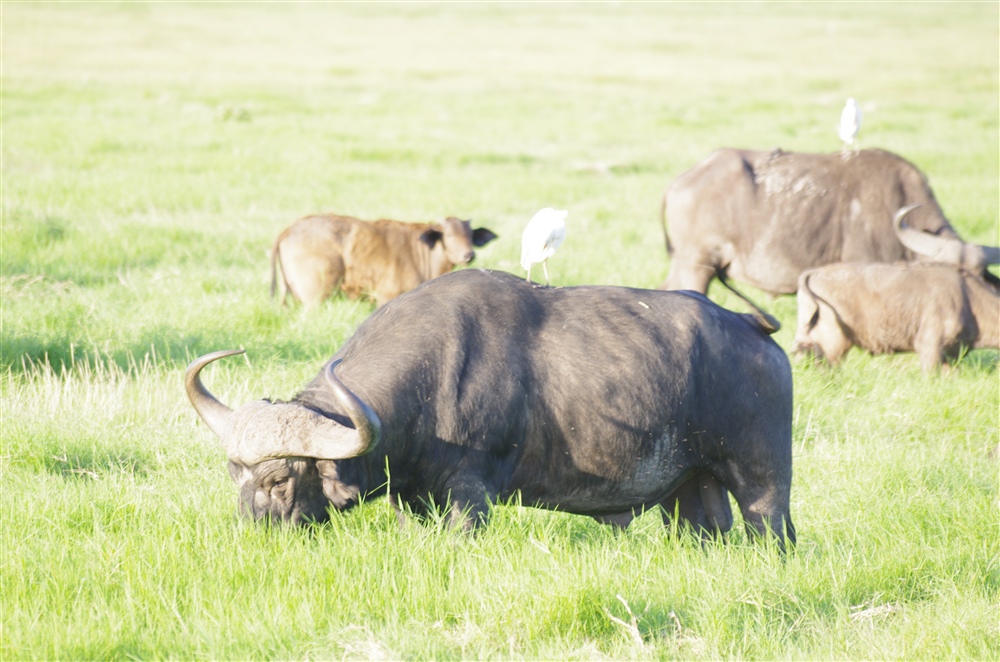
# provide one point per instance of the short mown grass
(152, 152)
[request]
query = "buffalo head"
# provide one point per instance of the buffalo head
(284, 456)
(457, 239)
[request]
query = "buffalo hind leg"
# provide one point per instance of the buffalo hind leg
(765, 512)
(314, 277)
(819, 331)
(703, 503)
(619, 521)
(692, 273)
(808, 313)
(930, 348)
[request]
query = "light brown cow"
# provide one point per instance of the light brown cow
(933, 308)
(379, 259)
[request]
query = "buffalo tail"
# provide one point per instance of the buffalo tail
(767, 323)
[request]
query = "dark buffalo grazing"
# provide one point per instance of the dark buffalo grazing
(478, 386)
(381, 259)
(933, 308)
(765, 217)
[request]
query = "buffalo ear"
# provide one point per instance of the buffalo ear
(431, 237)
(482, 236)
(240, 473)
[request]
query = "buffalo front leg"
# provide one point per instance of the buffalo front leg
(703, 503)
(397, 508)
(468, 507)
(690, 273)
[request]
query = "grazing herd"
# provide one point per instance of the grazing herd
(478, 385)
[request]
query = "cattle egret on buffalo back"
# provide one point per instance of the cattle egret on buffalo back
(850, 123)
(542, 236)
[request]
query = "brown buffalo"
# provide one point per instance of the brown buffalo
(380, 259)
(765, 217)
(933, 308)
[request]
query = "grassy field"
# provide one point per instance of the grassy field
(152, 152)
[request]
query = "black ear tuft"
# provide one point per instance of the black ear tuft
(482, 236)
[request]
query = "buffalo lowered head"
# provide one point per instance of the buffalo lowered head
(971, 257)
(284, 456)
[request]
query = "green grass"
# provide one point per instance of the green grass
(152, 152)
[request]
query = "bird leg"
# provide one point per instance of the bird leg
(528, 278)
(545, 269)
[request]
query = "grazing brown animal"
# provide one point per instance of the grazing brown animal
(379, 259)
(932, 308)
(765, 217)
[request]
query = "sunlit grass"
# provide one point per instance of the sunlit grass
(152, 152)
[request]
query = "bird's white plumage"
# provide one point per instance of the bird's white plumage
(850, 122)
(541, 237)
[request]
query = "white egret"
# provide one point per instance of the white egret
(542, 236)
(850, 123)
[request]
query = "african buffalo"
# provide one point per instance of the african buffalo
(765, 217)
(381, 259)
(933, 308)
(477, 386)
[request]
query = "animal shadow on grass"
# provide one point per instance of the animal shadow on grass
(165, 345)
(980, 361)
(23, 351)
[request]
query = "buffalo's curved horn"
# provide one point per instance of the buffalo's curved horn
(943, 249)
(262, 430)
(991, 255)
(215, 414)
(366, 421)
